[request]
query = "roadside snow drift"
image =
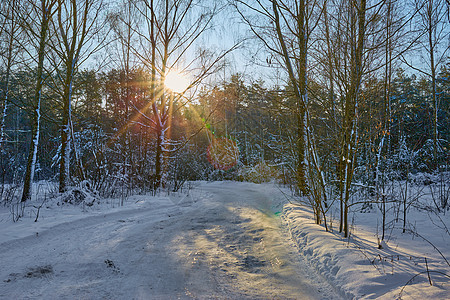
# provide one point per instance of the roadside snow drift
(359, 270)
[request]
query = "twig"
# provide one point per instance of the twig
(415, 233)
(428, 271)
(372, 262)
(418, 274)
(287, 198)
(39, 207)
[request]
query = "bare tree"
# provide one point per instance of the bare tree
(285, 27)
(75, 39)
(299, 84)
(9, 30)
(9, 50)
(433, 36)
(169, 30)
(122, 23)
(37, 27)
(437, 30)
(355, 43)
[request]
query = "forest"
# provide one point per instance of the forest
(349, 103)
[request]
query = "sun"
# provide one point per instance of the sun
(176, 81)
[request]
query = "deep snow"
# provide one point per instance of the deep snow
(225, 240)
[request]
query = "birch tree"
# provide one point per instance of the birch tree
(124, 22)
(9, 31)
(286, 30)
(169, 30)
(299, 84)
(76, 27)
(436, 33)
(37, 28)
(287, 40)
(9, 50)
(356, 37)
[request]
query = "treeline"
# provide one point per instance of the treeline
(115, 141)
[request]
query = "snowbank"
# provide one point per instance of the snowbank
(359, 270)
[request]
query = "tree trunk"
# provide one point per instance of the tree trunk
(302, 104)
(74, 28)
(349, 135)
(299, 89)
(66, 136)
(32, 154)
(433, 92)
(158, 158)
(9, 62)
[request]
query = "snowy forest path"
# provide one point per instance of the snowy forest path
(223, 241)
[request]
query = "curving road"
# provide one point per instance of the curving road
(223, 241)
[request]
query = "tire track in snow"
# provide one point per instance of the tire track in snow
(221, 242)
(248, 247)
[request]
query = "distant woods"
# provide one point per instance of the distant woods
(362, 96)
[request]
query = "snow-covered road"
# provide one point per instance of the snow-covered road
(223, 241)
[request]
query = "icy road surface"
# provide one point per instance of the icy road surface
(223, 241)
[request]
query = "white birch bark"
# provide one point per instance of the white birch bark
(46, 12)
